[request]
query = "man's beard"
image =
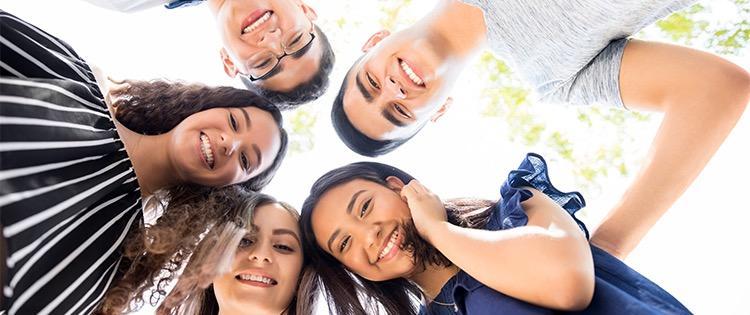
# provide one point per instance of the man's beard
(423, 253)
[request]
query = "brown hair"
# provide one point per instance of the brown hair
(155, 107)
(197, 234)
(349, 293)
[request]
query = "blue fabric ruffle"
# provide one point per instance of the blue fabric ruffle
(532, 172)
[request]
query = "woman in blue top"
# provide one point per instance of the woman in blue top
(365, 229)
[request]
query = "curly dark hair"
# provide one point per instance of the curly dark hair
(155, 107)
(344, 288)
(196, 239)
(304, 92)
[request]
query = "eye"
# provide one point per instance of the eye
(284, 248)
(344, 243)
(263, 64)
(246, 242)
(232, 122)
(372, 82)
(400, 110)
(295, 41)
(244, 162)
(365, 205)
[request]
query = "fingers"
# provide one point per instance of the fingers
(416, 191)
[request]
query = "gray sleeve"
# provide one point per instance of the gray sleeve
(596, 83)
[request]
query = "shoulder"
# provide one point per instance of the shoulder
(476, 298)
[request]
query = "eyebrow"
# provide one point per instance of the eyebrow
(348, 211)
(247, 118)
(258, 156)
(362, 89)
(388, 116)
(274, 72)
(289, 232)
(303, 51)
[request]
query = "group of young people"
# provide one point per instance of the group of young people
(116, 193)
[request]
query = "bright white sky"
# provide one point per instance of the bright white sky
(698, 251)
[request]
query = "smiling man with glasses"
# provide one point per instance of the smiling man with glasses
(273, 46)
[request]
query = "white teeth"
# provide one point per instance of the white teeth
(256, 278)
(206, 149)
(257, 23)
(389, 246)
(412, 76)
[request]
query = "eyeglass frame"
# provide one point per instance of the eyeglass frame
(278, 59)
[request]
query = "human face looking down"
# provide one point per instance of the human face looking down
(361, 224)
(256, 32)
(266, 267)
(401, 82)
(224, 146)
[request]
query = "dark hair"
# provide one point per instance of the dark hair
(395, 296)
(351, 136)
(155, 107)
(304, 92)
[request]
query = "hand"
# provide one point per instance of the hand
(426, 208)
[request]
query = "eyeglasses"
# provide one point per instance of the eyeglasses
(265, 62)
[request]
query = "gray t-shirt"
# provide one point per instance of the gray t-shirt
(569, 50)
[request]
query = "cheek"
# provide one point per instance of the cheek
(223, 287)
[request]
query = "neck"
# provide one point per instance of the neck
(433, 278)
(152, 166)
(459, 28)
(242, 309)
(147, 154)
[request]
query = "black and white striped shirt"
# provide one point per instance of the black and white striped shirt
(68, 193)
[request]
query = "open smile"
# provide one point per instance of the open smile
(411, 73)
(206, 151)
(255, 20)
(256, 279)
(391, 247)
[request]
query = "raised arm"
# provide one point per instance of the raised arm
(702, 97)
(547, 262)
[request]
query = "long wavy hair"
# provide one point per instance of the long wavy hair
(349, 293)
(153, 253)
(156, 107)
(193, 242)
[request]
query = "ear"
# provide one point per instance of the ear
(394, 183)
(442, 110)
(229, 67)
(309, 12)
(375, 39)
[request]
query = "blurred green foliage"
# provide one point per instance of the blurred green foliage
(300, 126)
(507, 98)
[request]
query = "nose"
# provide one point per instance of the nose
(372, 235)
(229, 144)
(394, 88)
(260, 253)
(271, 40)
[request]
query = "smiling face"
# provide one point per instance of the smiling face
(266, 267)
(400, 83)
(360, 223)
(256, 32)
(224, 146)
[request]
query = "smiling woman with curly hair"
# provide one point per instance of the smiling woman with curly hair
(74, 170)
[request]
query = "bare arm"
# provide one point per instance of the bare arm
(702, 97)
(548, 262)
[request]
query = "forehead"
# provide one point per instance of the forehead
(265, 133)
(269, 217)
(333, 203)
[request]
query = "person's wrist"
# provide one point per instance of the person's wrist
(432, 230)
